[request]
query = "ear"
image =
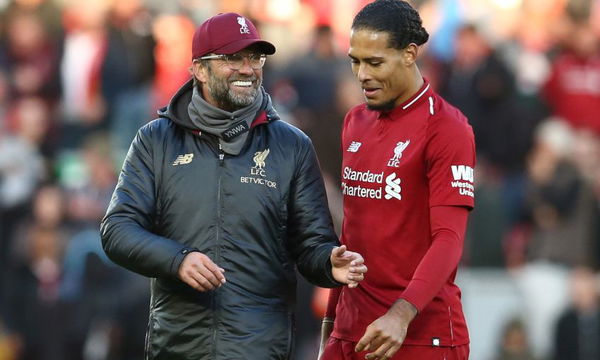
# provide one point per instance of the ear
(411, 52)
(199, 71)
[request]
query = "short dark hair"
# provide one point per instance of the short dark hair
(395, 17)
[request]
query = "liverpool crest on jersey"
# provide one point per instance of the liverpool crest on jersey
(400, 147)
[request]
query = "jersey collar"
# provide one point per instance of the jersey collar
(419, 97)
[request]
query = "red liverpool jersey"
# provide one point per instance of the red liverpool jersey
(396, 166)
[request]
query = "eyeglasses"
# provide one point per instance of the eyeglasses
(236, 61)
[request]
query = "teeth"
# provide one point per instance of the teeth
(242, 83)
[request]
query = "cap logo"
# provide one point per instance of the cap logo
(243, 26)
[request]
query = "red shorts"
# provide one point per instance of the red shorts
(337, 349)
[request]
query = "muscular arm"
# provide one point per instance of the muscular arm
(385, 335)
(448, 226)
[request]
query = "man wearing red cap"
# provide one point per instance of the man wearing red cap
(407, 180)
(218, 202)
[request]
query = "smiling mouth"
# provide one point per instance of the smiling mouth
(242, 83)
(369, 92)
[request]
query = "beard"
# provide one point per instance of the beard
(387, 106)
(226, 98)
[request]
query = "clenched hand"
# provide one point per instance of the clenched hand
(200, 272)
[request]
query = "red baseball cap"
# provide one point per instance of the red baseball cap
(227, 33)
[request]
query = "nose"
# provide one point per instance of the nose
(361, 73)
(246, 68)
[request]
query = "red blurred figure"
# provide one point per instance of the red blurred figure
(573, 89)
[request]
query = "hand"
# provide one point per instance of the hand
(385, 335)
(347, 266)
(200, 272)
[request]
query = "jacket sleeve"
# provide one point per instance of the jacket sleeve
(126, 229)
(310, 229)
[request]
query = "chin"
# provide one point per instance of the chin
(386, 106)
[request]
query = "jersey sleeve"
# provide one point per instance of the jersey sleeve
(448, 226)
(450, 159)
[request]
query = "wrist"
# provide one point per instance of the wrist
(403, 309)
(331, 275)
(178, 259)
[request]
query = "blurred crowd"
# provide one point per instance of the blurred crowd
(79, 77)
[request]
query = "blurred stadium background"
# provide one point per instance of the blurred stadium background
(79, 77)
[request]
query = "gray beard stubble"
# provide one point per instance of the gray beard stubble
(225, 97)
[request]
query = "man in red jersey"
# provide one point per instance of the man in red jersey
(407, 180)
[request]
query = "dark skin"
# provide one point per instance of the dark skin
(385, 336)
(389, 77)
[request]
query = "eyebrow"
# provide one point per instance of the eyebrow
(370, 58)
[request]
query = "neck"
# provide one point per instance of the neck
(416, 82)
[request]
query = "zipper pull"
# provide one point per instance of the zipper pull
(221, 154)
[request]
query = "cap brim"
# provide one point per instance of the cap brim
(231, 48)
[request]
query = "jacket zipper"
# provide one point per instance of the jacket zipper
(221, 156)
(217, 254)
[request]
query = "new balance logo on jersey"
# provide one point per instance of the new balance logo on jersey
(462, 172)
(183, 159)
(354, 146)
(392, 187)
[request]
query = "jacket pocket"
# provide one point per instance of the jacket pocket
(255, 332)
(283, 252)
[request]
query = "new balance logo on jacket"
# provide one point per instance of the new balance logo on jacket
(183, 159)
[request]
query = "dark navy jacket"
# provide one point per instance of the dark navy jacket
(258, 215)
